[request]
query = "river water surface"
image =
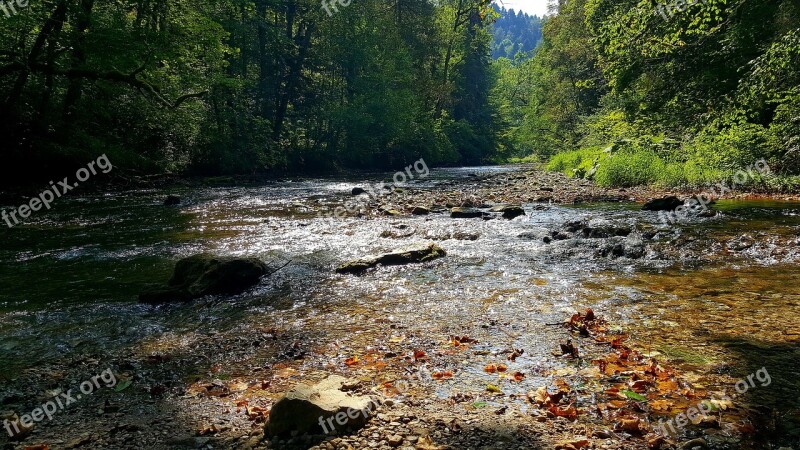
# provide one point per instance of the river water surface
(718, 296)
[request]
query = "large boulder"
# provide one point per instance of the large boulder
(319, 409)
(414, 254)
(663, 204)
(201, 275)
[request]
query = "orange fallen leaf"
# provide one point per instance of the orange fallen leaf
(351, 361)
(502, 367)
(572, 445)
(490, 368)
(442, 375)
(519, 376)
(569, 411)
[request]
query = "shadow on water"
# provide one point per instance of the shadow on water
(772, 401)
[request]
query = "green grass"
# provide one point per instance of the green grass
(634, 165)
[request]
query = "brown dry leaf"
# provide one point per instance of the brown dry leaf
(238, 386)
(502, 367)
(425, 443)
(419, 354)
(569, 411)
(655, 442)
(569, 349)
(639, 386)
(515, 354)
(667, 386)
(37, 447)
(351, 361)
(572, 445)
(617, 404)
(629, 425)
(519, 376)
(442, 375)
(722, 404)
(661, 405)
(540, 397)
(205, 431)
(562, 385)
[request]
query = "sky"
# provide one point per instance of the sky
(538, 7)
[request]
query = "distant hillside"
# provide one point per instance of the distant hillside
(515, 32)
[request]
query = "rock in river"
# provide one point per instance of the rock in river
(509, 211)
(172, 200)
(317, 409)
(408, 255)
(467, 213)
(201, 275)
(663, 204)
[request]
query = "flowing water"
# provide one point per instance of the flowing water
(718, 308)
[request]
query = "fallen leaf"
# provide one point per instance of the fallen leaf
(569, 411)
(442, 375)
(634, 396)
(571, 445)
(515, 354)
(629, 425)
(493, 388)
(351, 361)
(425, 443)
(122, 385)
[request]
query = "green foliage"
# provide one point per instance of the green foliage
(686, 98)
(240, 87)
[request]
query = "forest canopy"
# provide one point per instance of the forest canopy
(672, 93)
(632, 91)
(239, 86)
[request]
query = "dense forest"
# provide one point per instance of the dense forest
(515, 32)
(244, 86)
(670, 94)
(676, 94)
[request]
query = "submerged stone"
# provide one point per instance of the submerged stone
(201, 275)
